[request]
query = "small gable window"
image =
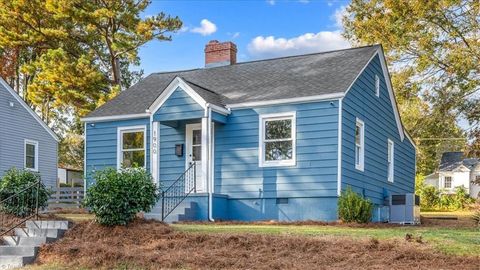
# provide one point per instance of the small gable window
(390, 159)
(377, 86)
(31, 155)
(277, 139)
(447, 182)
(131, 141)
(359, 145)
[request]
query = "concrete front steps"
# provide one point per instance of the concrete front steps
(22, 248)
(185, 211)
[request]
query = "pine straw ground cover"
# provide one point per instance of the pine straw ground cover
(153, 245)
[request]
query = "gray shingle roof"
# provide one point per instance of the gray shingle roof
(452, 160)
(280, 78)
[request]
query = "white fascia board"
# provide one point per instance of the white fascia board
(308, 99)
(391, 94)
(115, 117)
(218, 109)
(411, 140)
(386, 75)
(174, 84)
(30, 110)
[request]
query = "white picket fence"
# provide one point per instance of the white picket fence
(66, 197)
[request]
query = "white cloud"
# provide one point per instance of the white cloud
(235, 35)
(206, 28)
(183, 29)
(271, 46)
(338, 16)
(304, 1)
(271, 2)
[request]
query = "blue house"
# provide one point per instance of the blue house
(275, 139)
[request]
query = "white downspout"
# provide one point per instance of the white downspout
(209, 170)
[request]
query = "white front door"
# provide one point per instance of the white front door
(193, 153)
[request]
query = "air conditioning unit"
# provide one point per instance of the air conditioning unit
(405, 209)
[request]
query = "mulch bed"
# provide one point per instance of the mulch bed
(154, 245)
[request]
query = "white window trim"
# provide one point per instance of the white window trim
(451, 182)
(120, 131)
(391, 169)
(361, 160)
(261, 145)
(32, 142)
(377, 86)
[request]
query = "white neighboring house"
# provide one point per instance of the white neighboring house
(455, 171)
(70, 176)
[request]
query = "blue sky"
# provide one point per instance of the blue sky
(260, 28)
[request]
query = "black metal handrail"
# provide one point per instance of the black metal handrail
(20, 207)
(179, 190)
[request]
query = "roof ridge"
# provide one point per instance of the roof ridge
(268, 59)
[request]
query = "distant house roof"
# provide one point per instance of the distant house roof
(452, 160)
(263, 80)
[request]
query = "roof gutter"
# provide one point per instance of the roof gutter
(115, 117)
(307, 99)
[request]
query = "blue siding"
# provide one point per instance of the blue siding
(219, 118)
(315, 208)
(380, 125)
(179, 106)
(171, 166)
(101, 144)
(237, 171)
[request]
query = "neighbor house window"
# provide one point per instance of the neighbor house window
(359, 144)
(377, 86)
(390, 158)
(447, 182)
(31, 155)
(277, 139)
(131, 147)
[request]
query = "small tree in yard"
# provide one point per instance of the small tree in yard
(353, 208)
(24, 183)
(117, 196)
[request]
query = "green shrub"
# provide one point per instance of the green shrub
(117, 196)
(429, 197)
(353, 208)
(461, 198)
(25, 204)
(476, 213)
(433, 199)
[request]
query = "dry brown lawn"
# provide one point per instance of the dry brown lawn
(154, 245)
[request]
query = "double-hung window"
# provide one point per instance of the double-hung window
(131, 147)
(377, 86)
(390, 159)
(359, 144)
(447, 182)
(277, 139)
(31, 155)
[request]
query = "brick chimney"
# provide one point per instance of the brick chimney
(220, 54)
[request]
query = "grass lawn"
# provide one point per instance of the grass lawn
(458, 241)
